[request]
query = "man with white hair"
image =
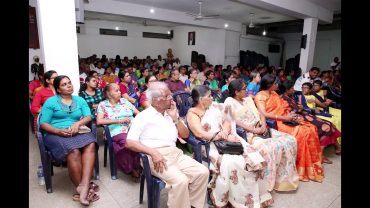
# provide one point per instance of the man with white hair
(154, 132)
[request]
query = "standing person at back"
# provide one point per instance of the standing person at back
(310, 76)
(336, 64)
(154, 132)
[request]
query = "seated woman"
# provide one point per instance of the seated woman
(328, 133)
(254, 86)
(117, 112)
(237, 179)
(228, 77)
(281, 172)
(310, 101)
(91, 94)
(143, 101)
(109, 76)
(35, 84)
(61, 120)
(272, 106)
(192, 81)
(128, 90)
(100, 82)
(211, 82)
(141, 81)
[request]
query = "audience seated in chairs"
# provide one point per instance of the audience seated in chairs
(231, 173)
(310, 101)
(40, 97)
(109, 76)
(192, 81)
(117, 113)
(183, 73)
(100, 82)
(92, 95)
(143, 101)
(281, 172)
(328, 133)
(272, 106)
(154, 132)
(174, 83)
(128, 90)
(36, 84)
(60, 119)
(141, 81)
(254, 85)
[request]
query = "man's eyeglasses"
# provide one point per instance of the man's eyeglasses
(169, 97)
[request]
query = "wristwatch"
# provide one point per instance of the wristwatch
(177, 121)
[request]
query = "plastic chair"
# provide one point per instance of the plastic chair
(46, 157)
(154, 185)
(182, 102)
(108, 143)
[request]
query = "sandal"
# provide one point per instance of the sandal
(327, 161)
(92, 196)
(94, 186)
(76, 197)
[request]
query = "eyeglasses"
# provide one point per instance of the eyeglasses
(169, 97)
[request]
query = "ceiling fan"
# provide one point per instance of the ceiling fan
(200, 16)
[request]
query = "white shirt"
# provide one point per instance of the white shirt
(303, 79)
(100, 71)
(183, 78)
(153, 129)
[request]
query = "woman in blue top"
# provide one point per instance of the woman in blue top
(118, 112)
(254, 86)
(61, 118)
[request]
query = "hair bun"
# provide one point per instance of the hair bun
(191, 101)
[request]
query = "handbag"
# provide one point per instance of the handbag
(226, 147)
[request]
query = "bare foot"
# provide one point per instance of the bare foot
(83, 190)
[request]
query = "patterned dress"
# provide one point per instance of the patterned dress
(279, 151)
(91, 100)
(234, 176)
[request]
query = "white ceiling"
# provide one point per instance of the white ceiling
(227, 10)
(120, 18)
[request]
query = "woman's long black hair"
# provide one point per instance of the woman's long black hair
(198, 92)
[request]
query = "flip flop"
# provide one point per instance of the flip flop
(94, 186)
(76, 197)
(92, 196)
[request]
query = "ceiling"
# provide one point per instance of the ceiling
(227, 9)
(120, 18)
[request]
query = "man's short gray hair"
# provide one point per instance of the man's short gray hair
(155, 90)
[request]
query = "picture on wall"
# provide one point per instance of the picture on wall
(191, 38)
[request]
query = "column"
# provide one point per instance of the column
(56, 22)
(307, 54)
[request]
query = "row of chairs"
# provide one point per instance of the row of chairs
(154, 184)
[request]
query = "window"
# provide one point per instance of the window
(112, 32)
(156, 35)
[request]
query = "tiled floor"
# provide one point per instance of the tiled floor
(123, 193)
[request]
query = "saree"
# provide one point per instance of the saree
(234, 177)
(309, 155)
(279, 151)
(327, 131)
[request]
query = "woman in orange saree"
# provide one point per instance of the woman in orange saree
(271, 105)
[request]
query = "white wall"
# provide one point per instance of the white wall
(328, 46)
(260, 45)
(91, 42)
(210, 42)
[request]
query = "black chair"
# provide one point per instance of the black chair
(108, 145)
(182, 102)
(154, 185)
(46, 157)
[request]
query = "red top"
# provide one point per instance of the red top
(142, 98)
(122, 88)
(34, 84)
(101, 83)
(40, 98)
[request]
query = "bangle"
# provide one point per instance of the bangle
(176, 122)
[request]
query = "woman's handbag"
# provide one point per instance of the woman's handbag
(226, 147)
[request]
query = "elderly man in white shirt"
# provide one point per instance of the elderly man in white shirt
(154, 132)
(310, 76)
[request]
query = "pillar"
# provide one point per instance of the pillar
(307, 54)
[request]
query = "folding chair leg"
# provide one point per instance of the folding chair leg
(105, 152)
(96, 168)
(47, 168)
(112, 164)
(142, 182)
